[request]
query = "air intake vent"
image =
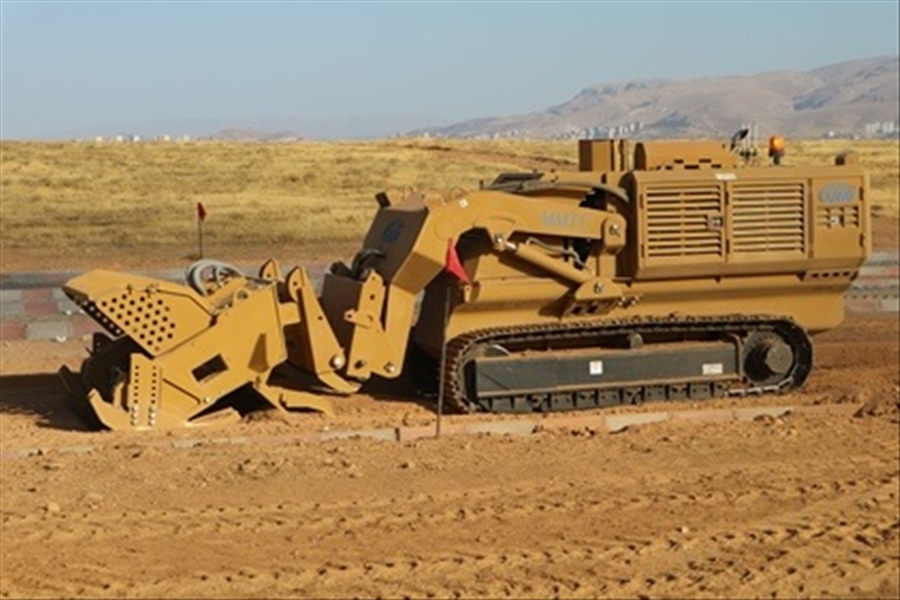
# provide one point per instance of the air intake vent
(768, 217)
(838, 216)
(683, 222)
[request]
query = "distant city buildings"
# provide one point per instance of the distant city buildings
(886, 128)
(639, 129)
(601, 131)
(134, 138)
(634, 130)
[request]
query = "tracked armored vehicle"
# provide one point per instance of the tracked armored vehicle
(657, 271)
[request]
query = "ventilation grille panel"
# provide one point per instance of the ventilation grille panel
(683, 222)
(768, 217)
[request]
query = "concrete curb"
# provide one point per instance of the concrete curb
(520, 427)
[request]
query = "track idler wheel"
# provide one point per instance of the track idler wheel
(768, 358)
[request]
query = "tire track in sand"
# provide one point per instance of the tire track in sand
(591, 539)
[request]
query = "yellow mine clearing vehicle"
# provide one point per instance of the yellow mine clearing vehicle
(658, 271)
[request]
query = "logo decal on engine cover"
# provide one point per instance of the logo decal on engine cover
(562, 219)
(837, 193)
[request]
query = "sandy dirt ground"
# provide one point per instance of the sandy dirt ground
(801, 506)
(796, 507)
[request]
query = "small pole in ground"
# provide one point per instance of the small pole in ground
(201, 216)
(440, 404)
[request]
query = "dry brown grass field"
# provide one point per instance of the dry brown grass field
(71, 204)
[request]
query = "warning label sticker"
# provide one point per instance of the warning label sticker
(712, 369)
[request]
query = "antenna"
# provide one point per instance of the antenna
(744, 141)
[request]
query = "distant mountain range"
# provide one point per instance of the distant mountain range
(860, 97)
(855, 98)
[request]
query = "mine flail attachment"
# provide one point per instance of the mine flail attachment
(173, 355)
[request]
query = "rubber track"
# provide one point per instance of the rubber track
(785, 326)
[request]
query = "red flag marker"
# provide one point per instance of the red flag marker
(452, 264)
(201, 211)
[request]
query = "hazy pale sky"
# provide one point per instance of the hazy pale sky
(72, 64)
